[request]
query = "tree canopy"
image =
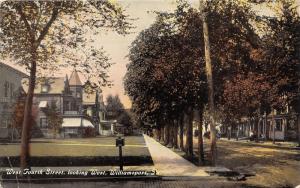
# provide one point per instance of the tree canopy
(61, 33)
(47, 35)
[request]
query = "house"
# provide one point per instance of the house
(283, 122)
(284, 125)
(79, 110)
(107, 127)
(11, 87)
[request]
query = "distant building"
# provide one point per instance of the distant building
(107, 127)
(11, 87)
(80, 110)
(281, 127)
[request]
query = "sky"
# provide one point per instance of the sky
(117, 46)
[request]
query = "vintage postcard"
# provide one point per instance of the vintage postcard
(150, 93)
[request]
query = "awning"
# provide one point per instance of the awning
(87, 123)
(76, 122)
(43, 104)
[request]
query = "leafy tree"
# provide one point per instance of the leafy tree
(125, 119)
(166, 76)
(36, 33)
(54, 118)
(211, 104)
(114, 106)
(18, 114)
(163, 78)
(230, 26)
(281, 56)
(246, 96)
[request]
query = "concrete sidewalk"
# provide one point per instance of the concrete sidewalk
(168, 163)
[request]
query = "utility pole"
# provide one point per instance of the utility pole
(208, 65)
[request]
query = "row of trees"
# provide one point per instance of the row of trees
(255, 67)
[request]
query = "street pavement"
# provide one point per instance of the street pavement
(188, 183)
(168, 163)
(272, 166)
(178, 172)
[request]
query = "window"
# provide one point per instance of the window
(66, 105)
(4, 123)
(5, 106)
(6, 88)
(278, 125)
(43, 123)
(45, 88)
(12, 88)
(74, 106)
(53, 103)
(71, 131)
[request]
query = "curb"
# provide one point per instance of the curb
(80, 179)
(42, 177)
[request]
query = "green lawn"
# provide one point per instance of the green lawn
(99, 146)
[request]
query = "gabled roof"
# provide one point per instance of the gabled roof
(89, 98)
(22, 74)
(74, 79)
(56, 85)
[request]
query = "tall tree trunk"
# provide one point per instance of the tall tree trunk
(26, 126)
(249, 127)
(258, 129)
(171, 133)
(229, 132)
(273, 124)
(181, 132)
(162, 134)
(265, 125)
(167, 134)
(189, 150)
(255, 126)
(298, 125)
(159, 134)
(237, 131)
(200, 138)
(176, 135)
(208, 65)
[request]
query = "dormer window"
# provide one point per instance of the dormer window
(45, 88)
